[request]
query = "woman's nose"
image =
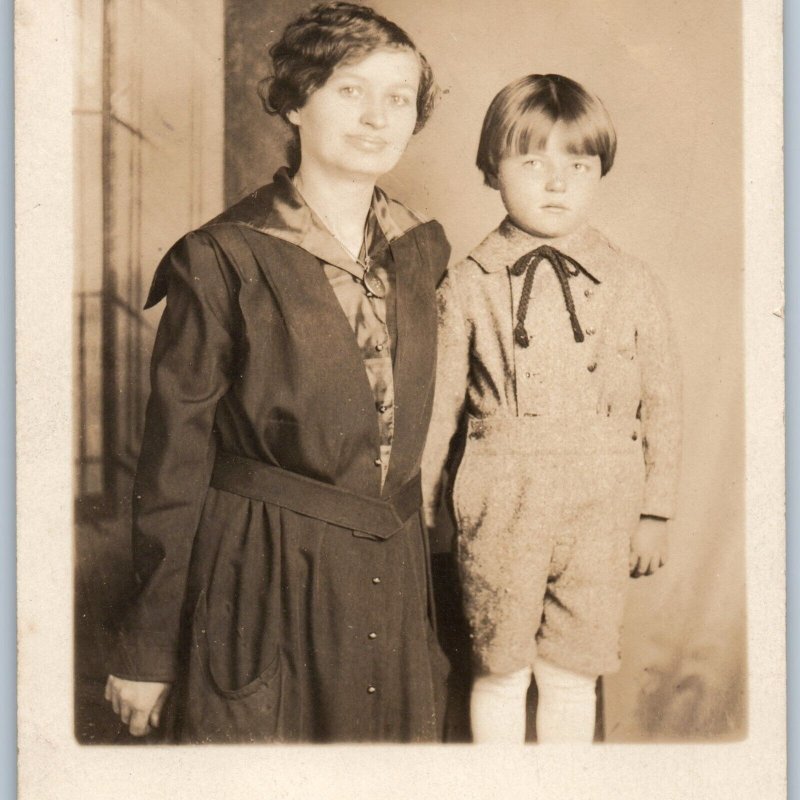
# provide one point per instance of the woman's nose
(373, 113)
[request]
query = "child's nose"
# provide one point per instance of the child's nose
(556, 181)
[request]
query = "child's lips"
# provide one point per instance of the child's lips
(555, 208)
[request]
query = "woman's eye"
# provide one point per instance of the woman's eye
(579, 166)
(401, 99)
(534, 163)
(349, 91)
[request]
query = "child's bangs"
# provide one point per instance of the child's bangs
(531, 131)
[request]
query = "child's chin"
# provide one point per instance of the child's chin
(549, 231)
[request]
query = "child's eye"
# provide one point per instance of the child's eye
(349, 91)
(400, 99)
(580, 166)
(534, 163)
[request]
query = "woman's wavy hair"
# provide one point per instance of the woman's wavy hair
(318, 41)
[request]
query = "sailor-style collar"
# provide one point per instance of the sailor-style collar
(503, 246)
(279, 210)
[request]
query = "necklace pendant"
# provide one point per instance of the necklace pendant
(374, 284)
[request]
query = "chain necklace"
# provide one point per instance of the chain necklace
(373, 285)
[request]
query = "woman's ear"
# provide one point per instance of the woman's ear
(293, 117)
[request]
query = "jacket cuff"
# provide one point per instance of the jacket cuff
(143, 656)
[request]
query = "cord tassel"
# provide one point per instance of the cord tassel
(565, 268)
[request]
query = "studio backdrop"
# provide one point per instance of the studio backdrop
(169, 130)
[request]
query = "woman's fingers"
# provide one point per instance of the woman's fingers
(155, 714)
(125, 712)
(139, 723)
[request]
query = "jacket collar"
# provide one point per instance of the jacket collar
(279, 210)
(504, 245)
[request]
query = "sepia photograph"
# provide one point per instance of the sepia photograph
(412, 394)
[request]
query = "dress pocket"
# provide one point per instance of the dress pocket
(219, 712)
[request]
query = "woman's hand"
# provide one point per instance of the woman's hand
(138, 703)
(648, 547)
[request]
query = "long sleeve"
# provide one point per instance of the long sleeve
(452, 370)
(190, 371)
(661, 403)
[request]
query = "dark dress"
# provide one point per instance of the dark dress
(279, 621)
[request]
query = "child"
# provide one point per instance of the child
(555, 352)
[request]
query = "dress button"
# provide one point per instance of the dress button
(377, 462)
(588, 293)
(376, 580)
(379, 347)
(371, 690)
(634, 436)
(592, 367)
(527, 374)
(372, 635)
(590, 331)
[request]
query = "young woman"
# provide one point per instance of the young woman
(285, 590)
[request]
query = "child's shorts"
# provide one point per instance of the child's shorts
(545, 510)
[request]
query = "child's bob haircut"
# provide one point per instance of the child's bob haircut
(522, 115)
(321, 39)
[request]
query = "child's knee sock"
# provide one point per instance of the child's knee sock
(566, 708)
(497, 707)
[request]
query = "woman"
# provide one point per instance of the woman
(285, 591)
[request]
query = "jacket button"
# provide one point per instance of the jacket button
(592, 367)
(376, 580)
(372, 635)
(382, 408)
(377, 462)
(371, 690)
(379, 347)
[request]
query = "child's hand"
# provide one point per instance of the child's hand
(648, 547)
(138, 703)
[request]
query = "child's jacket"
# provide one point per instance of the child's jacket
(625, 367)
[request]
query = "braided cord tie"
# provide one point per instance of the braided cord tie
(565, 267)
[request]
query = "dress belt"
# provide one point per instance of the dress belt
(311, 498)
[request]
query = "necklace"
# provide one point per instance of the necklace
(373, 285)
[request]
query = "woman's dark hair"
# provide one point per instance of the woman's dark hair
(317, 42)
(522, 115)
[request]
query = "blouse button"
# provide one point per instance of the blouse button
(588, 293)
(590, 331)
(634, 436)
(592, 367)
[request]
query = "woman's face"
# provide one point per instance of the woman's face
(359, 122)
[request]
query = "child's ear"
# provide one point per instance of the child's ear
(491, 180)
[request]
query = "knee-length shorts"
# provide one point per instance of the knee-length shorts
(545, 510)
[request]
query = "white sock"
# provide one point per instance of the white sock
(566, 708)
(497, 707)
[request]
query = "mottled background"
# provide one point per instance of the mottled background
(168, 130)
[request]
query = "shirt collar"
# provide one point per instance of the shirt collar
(279, 210)
(504, 245)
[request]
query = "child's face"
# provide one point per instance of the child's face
(549, 192)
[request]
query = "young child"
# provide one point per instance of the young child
(555, 353)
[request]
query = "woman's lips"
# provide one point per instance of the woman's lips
(555, 208)
(371, 144)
